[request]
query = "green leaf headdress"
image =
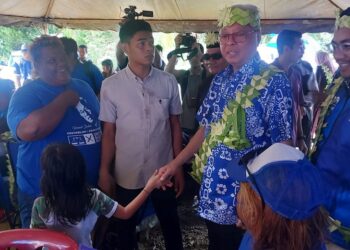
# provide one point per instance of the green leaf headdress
(211, 39)
(241, 14)
(342, 19)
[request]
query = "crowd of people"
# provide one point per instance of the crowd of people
(269, 142)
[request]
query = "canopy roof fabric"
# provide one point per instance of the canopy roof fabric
(170, 15)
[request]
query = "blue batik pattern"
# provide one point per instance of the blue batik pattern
(268, 120)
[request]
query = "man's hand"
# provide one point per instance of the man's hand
(179, 182)
(166, 173)
(178, 40)
(106, 183)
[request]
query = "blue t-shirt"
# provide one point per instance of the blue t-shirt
(24, 69)
(79, 126)
(89, 73)
(268, 120)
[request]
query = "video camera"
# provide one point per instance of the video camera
(131, 13)
(187, 42)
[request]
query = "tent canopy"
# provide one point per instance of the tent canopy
(170, 15)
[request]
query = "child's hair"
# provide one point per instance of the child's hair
(272, 231)
(131, 27)
(63, 183)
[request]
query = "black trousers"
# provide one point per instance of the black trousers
(223, 237)
(165, 206)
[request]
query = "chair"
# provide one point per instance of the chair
(31, 239)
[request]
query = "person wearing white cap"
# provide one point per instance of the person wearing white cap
(280, 201)
(248, 106)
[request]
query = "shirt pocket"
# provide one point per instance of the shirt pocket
(161, 108)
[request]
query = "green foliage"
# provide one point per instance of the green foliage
(12, 39)
(101, 44)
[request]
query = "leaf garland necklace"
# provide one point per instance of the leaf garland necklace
(230, 130)
(332, 91)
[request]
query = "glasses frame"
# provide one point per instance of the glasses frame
(225, 38)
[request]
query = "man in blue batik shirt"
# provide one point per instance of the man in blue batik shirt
(249, 106)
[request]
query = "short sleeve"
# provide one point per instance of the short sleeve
(38, 209)
(175, 105)
(23, 102)
(279, 108)
(103, 204)
(108, 110)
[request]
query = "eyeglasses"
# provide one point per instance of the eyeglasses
(238, 37)
(215, 56)
(343, 47)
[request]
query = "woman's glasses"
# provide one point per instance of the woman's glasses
(215, 56)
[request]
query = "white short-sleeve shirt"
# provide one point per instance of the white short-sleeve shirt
(140, 109)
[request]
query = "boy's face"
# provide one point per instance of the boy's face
(341, 50)
(140, 48)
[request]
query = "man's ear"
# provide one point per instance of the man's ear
(125, 47)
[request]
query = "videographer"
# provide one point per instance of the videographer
(190, 81)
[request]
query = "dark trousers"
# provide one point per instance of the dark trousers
(165, 206)
(223, 237)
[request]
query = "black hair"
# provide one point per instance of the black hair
(43, 42)
(287, 38)
(63, 183)
(159, 47)
(70, 45)
(82, 46)
(345, 12)
(107, 62)
(131, 27)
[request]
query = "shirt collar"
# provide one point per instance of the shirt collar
(250, 66)
(133, 76)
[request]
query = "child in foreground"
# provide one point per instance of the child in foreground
(68, 204)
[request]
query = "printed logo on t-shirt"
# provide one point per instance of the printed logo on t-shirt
(84, 111)
(86, 133)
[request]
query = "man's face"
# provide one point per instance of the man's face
(140, 49)
(25, 55)
(106, 69)
(82, 53)
(297, 51)
(341, 47)
(52, 66)
(214, 61)
(238, 44)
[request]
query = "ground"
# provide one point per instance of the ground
(194, 231)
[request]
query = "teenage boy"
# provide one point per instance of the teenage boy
(140, 108)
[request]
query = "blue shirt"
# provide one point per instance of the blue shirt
(24, 69)
(332, 157)
(79, 126)
(268, 120)
(88, 72)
